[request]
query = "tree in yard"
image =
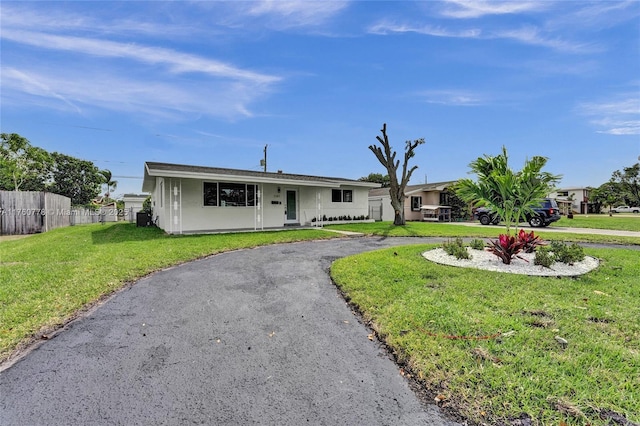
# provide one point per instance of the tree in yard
(629, 181)
(511, 195)
(377, 178)
(110, 184)
(388, 159)
(22, 166)
(607, 195)
(77, 179)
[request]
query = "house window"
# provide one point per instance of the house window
(232, 194)
(416, 203)
(342, 195)
(444, 199)
(210, 194)
(228, 194)
(251, 195)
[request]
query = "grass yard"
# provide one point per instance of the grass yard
(621, 222)
(484, 342)
(441, 229)
(46, 278)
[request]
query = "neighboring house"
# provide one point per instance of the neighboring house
(575, 200)
(109, 212)
(424, 202)
(192, 199)
(132, 205)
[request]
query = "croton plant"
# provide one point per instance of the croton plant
(507, 247)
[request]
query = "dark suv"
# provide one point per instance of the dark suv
(544, 215)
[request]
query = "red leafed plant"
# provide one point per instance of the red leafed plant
(506, 248)
(530, 241)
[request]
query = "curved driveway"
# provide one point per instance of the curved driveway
(255, 336)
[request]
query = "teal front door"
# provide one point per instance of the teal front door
(291, 212)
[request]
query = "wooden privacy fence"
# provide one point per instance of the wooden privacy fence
(30, 212)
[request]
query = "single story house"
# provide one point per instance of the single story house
(197, 199)
(424, 202)
(575, 200)
(132, 205)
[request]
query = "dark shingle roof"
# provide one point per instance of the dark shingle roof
(158, 169)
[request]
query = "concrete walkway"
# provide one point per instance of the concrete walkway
(247, 337)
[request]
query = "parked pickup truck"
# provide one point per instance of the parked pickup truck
(625, 209)
(544, 215)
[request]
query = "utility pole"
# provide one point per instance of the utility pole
(264, 161)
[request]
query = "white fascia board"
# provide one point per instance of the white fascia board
(241, 179)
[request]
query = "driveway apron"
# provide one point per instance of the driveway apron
(256, 336)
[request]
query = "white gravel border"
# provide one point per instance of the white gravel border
(482, 259)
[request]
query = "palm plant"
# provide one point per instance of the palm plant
(110, 184)
(511, 195)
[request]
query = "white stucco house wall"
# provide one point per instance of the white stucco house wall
(575, 200)
(132, 205)
(197, 199)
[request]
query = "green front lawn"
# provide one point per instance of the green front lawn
(485, 342)
(621, 222)
(46, 278)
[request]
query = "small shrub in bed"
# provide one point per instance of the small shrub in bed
(544, 257)
(457, 249)
(477, 244)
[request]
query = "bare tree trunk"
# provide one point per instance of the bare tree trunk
(388, 159)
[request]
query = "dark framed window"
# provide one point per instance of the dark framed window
(210, 194)
(229, 194)
(416, 203)
(342, 195)
(444, 198)
(251, 195)
(232, 194)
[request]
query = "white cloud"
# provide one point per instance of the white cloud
(526, 35)
(277, 14)
(534, 36)
(176, 61)
(452, 97)
(620, 116)
(55, 20)
(81, 90)
(478, 8)
(387, 27)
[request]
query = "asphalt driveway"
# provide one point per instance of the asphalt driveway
(255, 336)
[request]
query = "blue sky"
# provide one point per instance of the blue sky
(212, 83)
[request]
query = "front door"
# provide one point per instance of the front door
(291, 209)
